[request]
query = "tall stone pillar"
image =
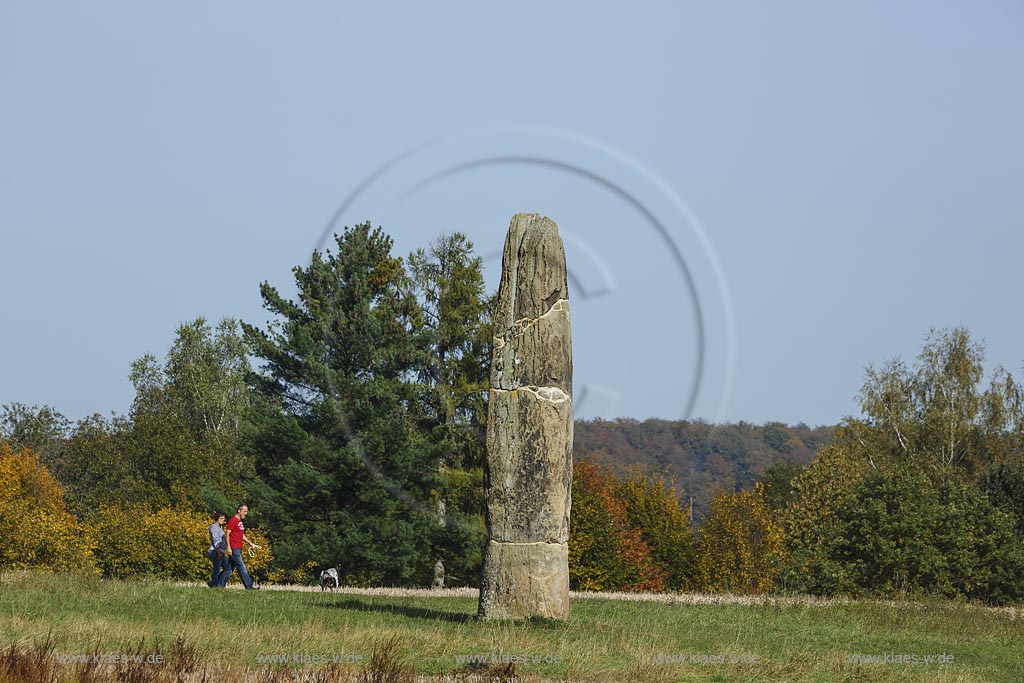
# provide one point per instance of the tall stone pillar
(528, 471)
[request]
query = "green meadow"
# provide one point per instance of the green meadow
(604, 640)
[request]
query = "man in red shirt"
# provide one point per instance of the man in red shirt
(236, 538)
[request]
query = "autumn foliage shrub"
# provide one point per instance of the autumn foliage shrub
(605, 552)
(741, 547)
(35, 528)
(652, 507)
(163, 543)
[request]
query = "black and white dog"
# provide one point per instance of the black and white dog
(329, 579)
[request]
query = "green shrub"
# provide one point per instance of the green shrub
(893, 531)
(906, 535)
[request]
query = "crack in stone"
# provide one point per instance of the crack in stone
(549, 394)
(527, 473)
(519, 327)
(556, 543)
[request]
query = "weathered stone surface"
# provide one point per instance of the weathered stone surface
(528, 471)
(532, 339)
(528, 486)
(525, 580)
(533, 275)
(535, 352)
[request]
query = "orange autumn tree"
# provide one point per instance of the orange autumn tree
(36, 529)
(653, 508)
(605, 552)
(741, 547)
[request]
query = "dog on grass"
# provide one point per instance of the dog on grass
(329, 579)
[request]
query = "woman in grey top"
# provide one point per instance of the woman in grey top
(218, 551)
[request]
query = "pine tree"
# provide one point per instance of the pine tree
(344, 478)
(449, 284)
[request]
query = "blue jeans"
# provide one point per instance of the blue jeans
(236, 562)
(221, 567)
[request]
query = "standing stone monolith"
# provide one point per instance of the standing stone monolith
(528, 471)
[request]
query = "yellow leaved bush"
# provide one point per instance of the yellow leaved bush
(36, 531)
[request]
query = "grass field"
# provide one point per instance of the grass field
(605, 640)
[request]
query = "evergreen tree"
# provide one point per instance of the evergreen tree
(449, 285)
(344, 477)
(449, 282)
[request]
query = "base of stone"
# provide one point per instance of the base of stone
(523, 580)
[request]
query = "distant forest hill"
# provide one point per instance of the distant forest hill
(699, 457)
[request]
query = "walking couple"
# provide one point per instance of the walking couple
(226, 549)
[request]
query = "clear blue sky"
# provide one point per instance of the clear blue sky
(857, 173)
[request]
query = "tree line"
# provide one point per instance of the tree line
(353, 423)
(923, 493)
(700, 457)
